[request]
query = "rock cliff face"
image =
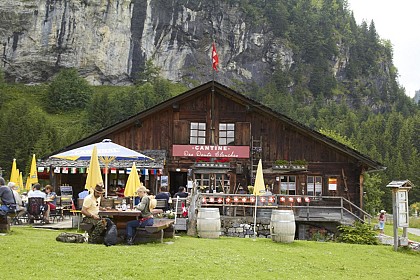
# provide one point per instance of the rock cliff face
(109, 41)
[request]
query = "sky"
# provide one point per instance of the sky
(398, 22)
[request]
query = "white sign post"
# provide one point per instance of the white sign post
(400, 211)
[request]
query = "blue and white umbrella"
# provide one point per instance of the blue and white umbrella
(107, 152)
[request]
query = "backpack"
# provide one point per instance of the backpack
(152, 202)
(111, 233)
(70, 237)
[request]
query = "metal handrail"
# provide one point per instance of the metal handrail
(277, 204)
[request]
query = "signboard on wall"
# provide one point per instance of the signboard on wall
(213, 151)
(332, 184)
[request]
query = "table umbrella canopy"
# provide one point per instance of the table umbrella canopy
(107, 152)
(14, 174)
(33, 174)
(259, 189)
(94, 176)
(133, 182)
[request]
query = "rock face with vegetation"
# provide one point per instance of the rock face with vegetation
(110, 41)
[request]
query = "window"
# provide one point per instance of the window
(226, 133)
(288, 185)
(314, 185)
(218, 182)
(198, 133)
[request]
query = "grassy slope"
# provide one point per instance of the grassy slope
(194, 258)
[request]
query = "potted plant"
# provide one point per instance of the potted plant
(281, 164)
(299, 164)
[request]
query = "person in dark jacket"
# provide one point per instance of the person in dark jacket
(181, 193)
(163, 194)
(7, 198)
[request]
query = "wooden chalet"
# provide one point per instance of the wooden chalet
(212, 137)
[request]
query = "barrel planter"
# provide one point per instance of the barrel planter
(282, 226)
(208, 223)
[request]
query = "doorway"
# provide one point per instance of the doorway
(176, 180)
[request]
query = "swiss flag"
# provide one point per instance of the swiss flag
(184, 210)
(215, 58)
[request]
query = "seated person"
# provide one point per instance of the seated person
(7, 198)
(20, 208)
(163, 194)
(37, 193)
(51, 197)
(181, 193)
(146, 216)
(83, 193)
(120, 191)
(90, 210)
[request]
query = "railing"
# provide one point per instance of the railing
(298, 203)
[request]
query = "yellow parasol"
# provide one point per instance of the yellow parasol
(14, 173)
(259, 189)
(133, 182)
(33, 174)
(20, 182)
(94, 175)
(28, 185)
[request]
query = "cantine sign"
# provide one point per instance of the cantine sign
(210, 151)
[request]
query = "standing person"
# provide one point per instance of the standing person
(146, 218)
(7, 198)
(382, 221)
(90, 210)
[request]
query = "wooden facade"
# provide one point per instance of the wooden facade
(266, 134)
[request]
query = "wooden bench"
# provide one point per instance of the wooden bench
(158, 226)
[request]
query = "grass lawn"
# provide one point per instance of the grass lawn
(34, 254)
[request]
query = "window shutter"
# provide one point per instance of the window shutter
(242, 133)
(181, 132)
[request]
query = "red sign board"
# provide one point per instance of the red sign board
(210, 151)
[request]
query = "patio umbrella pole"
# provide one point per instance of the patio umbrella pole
(106, 180)
(176, 208)
(255, 218)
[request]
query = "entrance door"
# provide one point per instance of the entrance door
(176, 180)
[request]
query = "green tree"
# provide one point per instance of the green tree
(25, 131)
(372, 193)
(67, 91)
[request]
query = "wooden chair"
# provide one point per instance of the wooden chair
(57, 214)
(66, 204)
(162, 204)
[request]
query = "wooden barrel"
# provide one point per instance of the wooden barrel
(208, 222)
(282, 226)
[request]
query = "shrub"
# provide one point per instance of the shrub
(68, 91)
(359, 233)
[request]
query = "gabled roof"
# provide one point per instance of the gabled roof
(231, 94)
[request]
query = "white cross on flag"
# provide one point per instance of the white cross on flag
(184, 210)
